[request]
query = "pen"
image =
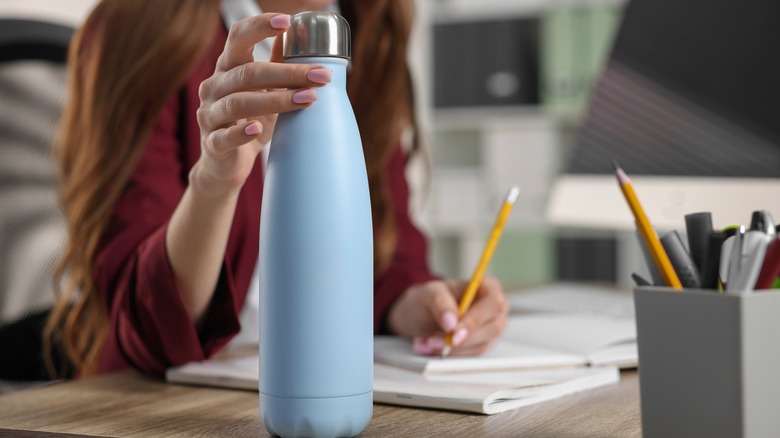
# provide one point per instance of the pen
(681, 260)
(639, 280)
(726, 251)
(709, 272)
(770, 270)
(746, 260)
(762, 220)
(730, 230)
(655, 275)
(484, 260)
(657, 252)
(698, 227)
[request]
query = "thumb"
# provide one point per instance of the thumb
(276, 52)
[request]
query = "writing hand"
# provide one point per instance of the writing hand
(426, 312)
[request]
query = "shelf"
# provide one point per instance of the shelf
(457, 10)
(476, 152)
(478, 118)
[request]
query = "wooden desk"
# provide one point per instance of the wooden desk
(129, 404)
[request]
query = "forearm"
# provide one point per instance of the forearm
(235, 122)
(195, 240)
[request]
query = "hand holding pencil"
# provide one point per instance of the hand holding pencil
(484, 261)
(428, 312)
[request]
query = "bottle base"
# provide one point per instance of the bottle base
(316, 417)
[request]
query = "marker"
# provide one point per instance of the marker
(745, 261)
(698, 227)
(762, 220)
(682, 262)
(725, 252)
(709, 272)
(770, 270)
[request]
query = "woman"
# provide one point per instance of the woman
(162, 179)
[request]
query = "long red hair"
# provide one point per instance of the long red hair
(115, 94)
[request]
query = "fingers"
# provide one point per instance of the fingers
(442, 309)
(442, 306)
(242, 89)
(245, 34)
(489, 303)
(485, 321)
(251, 104)
(422, 310)
(218, 143)
(262, 76)
(428, 311)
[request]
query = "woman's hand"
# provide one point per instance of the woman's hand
(428, 311)
(238, 108)
(240, 102)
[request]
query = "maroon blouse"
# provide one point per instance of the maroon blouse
(149, 327)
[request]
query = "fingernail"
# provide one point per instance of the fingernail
(448, 321)
(459, 336)
(420, 347)
(252, 129)
(304, 96)
(280, 21)
(319, 75)
(435, 342)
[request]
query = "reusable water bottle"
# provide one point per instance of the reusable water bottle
(316, 254)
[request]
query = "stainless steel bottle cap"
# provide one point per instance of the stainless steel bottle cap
(317, 33)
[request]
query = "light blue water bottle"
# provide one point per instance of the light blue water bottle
(316, 254)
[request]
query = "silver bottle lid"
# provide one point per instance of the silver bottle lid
(317, 33)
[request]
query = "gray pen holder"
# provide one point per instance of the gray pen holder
(709, 364)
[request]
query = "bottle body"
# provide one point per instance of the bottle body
(316, 270)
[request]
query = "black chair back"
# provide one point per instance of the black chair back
(32, 230)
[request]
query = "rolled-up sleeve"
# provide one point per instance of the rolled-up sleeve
(149, 326)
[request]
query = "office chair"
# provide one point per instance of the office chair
(32, 229)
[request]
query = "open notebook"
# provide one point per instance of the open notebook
(485, 392)
(596, 323)
(535, 340)
(543, 354)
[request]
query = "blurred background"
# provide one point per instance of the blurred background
(682, 93)
(543, 93)
(503, 86)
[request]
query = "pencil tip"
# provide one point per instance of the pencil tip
(445, 352)
(619, 173)
(514, 192)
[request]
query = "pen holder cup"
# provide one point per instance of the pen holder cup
(709, 363)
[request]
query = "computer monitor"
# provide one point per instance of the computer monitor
(689, 105)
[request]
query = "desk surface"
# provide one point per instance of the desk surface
(128, 404)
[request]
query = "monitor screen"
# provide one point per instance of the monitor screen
(689, 105)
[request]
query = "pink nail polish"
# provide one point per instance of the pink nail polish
(449, 320)
(435, 342)
(419, 346)
(252, 129)
(459, 336)
(280, 21)
(319, 75)
(304, 96)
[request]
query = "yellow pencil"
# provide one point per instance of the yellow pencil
(660, 258)
(484, 261)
